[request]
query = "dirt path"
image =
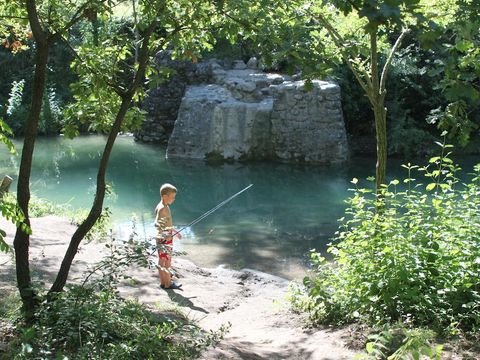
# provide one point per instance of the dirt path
(253, 303)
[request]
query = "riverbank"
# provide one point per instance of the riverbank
(252, 302)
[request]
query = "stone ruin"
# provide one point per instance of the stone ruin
(238, 112)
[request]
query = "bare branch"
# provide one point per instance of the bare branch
(395, 47)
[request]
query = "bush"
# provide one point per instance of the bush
(83, 324)
(409, 255)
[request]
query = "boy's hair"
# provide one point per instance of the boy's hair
(167, 189)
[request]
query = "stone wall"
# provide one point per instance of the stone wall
(246, 114)
(163, 102)
(308, 125)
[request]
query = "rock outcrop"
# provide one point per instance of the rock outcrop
(245, 114)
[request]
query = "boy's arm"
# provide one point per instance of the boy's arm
(161, 224)
(177, 234)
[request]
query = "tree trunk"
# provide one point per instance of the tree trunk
(380, 114)
(22, 239)
(377, 100)
(97, 206)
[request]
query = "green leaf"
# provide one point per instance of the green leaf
(4, 247)
(370, 347)
(464, 45)
(431, 186)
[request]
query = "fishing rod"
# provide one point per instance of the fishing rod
(212, 210)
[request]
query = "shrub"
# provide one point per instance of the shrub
(84, 324)
(409, 255)
(397, 342)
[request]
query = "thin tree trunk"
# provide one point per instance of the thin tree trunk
(97, 206)
(379, 111)
(22, 239)
(381, 131)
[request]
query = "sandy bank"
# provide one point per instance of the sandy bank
(262, 326)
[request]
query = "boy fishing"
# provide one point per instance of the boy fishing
(165, 235)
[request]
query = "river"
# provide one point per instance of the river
(289, 210)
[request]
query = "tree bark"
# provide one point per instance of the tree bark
(22, 239)
(5, 185)
(380, 113)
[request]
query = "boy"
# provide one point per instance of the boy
(166, 232)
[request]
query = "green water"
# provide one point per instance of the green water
(271, 227)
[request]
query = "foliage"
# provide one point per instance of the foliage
(16, 88)
(121, 255)
(82, 323)
(356, 33)
(5, 132)
(400, 343)
(15, 99)
(9, 209)
(11, 212)
(313, 38)
(92, 321)
(407, 137)
(16, 112)
(106, 67)
(454, 41)
(416, 260)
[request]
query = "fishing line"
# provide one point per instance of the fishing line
(212, 210)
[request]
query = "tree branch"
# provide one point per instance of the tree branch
(37, 29)
(13, 17)
(340, 43)
(395, 47)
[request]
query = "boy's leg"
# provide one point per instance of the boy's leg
(168, 277)
(163, 271)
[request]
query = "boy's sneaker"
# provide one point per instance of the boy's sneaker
(174, 285)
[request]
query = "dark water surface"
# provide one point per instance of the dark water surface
(271, 227)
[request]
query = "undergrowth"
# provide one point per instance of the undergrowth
(409, 255)
(90, 320)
